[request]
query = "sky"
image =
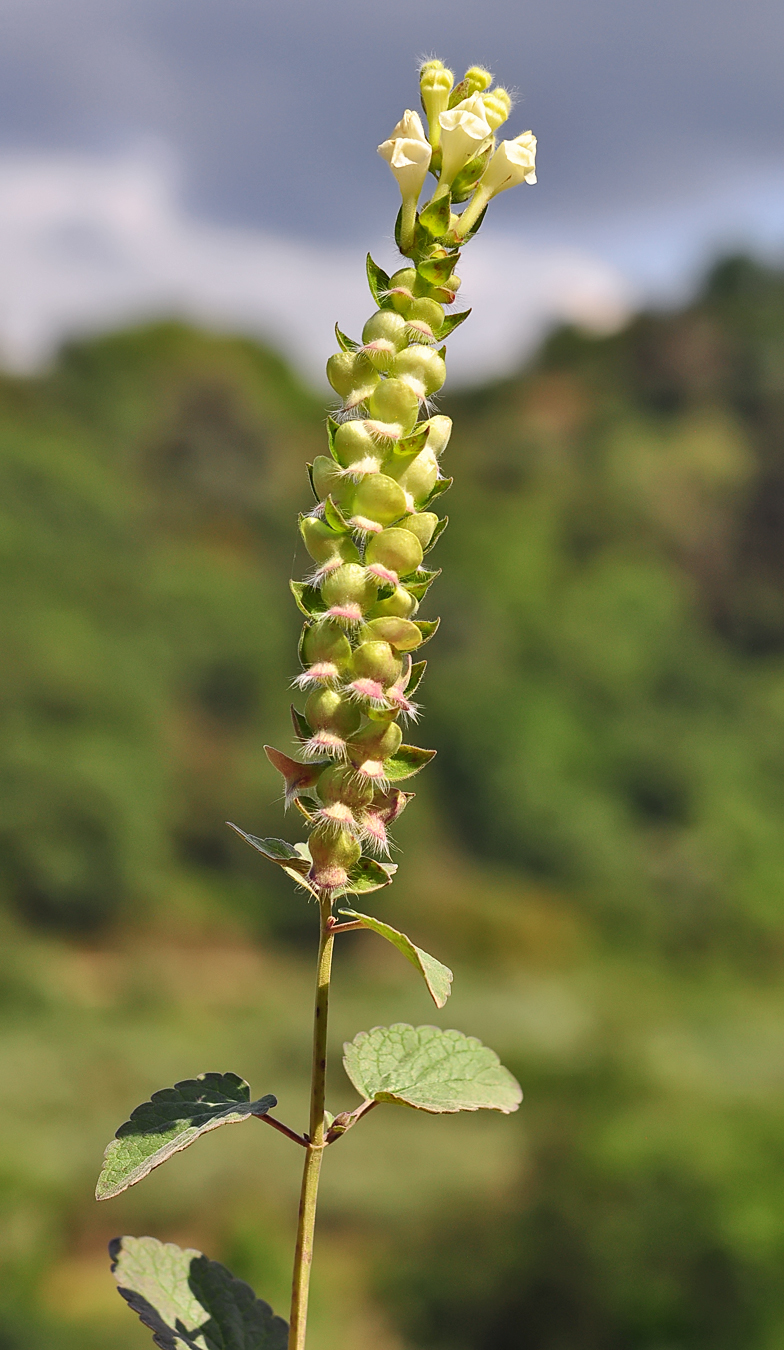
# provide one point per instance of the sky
(216, 158)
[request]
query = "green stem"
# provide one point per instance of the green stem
(408, 224)
(472, 212)
(303, 1256)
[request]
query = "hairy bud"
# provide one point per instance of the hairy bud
(352, 376)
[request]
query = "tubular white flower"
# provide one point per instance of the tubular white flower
(464, 129)
(407, 153)
(513, 162)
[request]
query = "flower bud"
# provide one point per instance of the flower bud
(348, 592)
(352, 376)
(407, 153)
(356, 449)
(383, 336)
(401, 634)
(329, 482)
(334, 853)
(421, 368)
(464, 129)
(326, 651)
(475, 81)
(338, 782)
(399, 605)
(396, 402)
(435, 83)
(401, 289)
(325, 546)
(422, 524)
(440, 431)
(332, 717)
(377, 502)
(498, 106)
(369, 747)
(424, 320)
(393, 553)
(418, 477)
(513, 162)
(374, 666)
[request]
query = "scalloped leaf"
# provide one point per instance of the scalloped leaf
(437, 532)
(171, 1120)
(451, 322)
(428, 628)
(368, 875)
(189, 1302)
(437, 977)
(415, 678)
(432, 1070)
(407, 761)
(440, 486)
(436, 216)
(378, 281)
(347, 344)
(308, 598)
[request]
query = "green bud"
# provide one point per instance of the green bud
(435, 83)
(383, 336)
(377, 501)
(393, 553)
(422, 524)
(475, 81)
(324, 545)
(328, 710)
(355, 447)
(326, 651)
(395, 401)
(498, 106)
(339, 783)
(334, 853)
(376, 660)
(369, 747)
(401, 634)
(399, 605)
(421, 368)
(401, 289)
(419, 476)
(352, 376)
(425, 317)
(329, 482)
(349, 592)
(439, 431)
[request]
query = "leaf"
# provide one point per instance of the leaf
(474, 228)
(369, 875)
(427, 627)
(301, 725)
(451, 322)
(406, 761)
(309, 468)
(440, 486)
(347, 344)
(308, 598)
(335, 518)
(412, 444)
(438, 978)
(279, 851)
(332, 431)
(378, 281)
(415, 678)
(419, 582)
(437, 532)
(429, 1069)
(170, 1121)
(188, 1301)
(435, 271)
(436, 216)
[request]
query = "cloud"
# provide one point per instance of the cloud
(88, 243)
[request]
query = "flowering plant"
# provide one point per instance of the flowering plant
(368, 533)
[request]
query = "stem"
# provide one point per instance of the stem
(472, 212)
(284, 1129)
(303, 1256)
(408, 224)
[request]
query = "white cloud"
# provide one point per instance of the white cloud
(89, 243)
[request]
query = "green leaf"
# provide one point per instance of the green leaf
(378, 281)
(436, 216)
(435, 271)
(415, 678)
(474, 228)
(451, 322)
(170, 1121)
(308, 598)
(369, 875)
(419, 582)
(309, 468)
(438, 978)
(427, 627)
(429, 1069)
(413, 444)
(437, 532)
(189, 1302)
(332, 431)
(279, 851)
(440, 486)
(302, 727)
(346, 343)
(335, 518)
(407, 761)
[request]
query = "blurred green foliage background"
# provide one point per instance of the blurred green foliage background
(598, 849)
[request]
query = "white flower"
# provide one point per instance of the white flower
(464, 129)
(513, 162)
(407, 153)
